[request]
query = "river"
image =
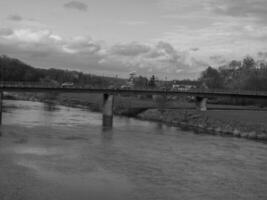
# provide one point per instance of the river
(61, 153)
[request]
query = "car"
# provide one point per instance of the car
(125, 87)
(67, 84)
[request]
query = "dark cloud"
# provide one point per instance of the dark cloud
(132, 49)
(15, 18)
(239, 7)
(77, 5)
(194, 49)
(160, 51)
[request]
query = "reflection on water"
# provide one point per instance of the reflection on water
(50, 106)
(107, 133)
(67, 151)
(96, 182)
(46, 114)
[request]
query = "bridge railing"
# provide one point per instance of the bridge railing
(24, 84)
(191, 91)
(232, 92)
(37, 85)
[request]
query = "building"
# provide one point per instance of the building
(182, 87)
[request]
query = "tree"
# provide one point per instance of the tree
(234, 65)
(248, 63)
(140, 82)
(152, 82)
(212, 78)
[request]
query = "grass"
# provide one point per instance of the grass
(246, 117)
(120, 102)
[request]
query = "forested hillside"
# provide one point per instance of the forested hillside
(14, 70)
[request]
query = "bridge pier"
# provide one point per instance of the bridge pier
(201, 103)
(1, 106)
(108, 101)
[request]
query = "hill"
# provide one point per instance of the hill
(12, 69)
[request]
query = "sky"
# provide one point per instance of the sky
(173, 39)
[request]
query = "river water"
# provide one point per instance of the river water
(56, 152)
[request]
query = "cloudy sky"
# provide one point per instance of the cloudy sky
(169, 38)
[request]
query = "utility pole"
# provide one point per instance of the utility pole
(2, 74)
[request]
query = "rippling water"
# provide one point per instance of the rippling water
(56, 152)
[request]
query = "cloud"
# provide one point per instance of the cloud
(15, 18)
(160, 58)
(131, 49)
(76, 5)
(4, 32)
(232, 37)
(218, 60)
(82, 45)
(262, 55)
(238, 7)
(50, 51)
(194, 49)
(47, 49)
(28, 35)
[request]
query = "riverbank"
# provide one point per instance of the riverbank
(248, 124)
(235, 121)
(124, 105)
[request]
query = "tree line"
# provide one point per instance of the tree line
(247, 74)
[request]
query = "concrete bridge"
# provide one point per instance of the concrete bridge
(201, 96)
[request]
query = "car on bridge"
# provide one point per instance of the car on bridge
(125, 87)
(67, 84)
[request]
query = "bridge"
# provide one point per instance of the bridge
(200, 95)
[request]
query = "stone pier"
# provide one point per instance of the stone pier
(108, 110)
(201, 103)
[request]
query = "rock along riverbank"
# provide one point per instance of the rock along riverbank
(223, 123)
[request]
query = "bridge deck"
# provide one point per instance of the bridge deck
(193, 92)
